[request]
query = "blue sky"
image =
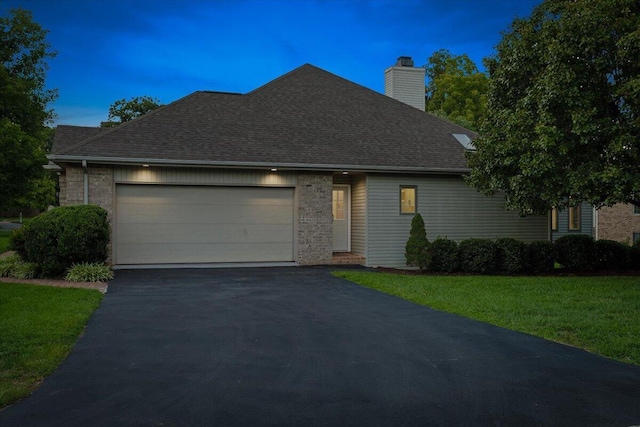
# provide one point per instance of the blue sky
(114, 49)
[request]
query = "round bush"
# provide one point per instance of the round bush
(512, 256)
(613, 255)
(418, 248)
(479, 256)
(576, 252)
(541, 255)
(64, 236)
(444, 255)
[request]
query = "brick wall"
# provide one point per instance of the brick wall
(314, 230)
(618, 223)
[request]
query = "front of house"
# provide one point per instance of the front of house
(304, 167)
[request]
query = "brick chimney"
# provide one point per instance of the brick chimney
(405, 83)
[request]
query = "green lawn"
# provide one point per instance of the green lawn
(4, 240)
(38, 327)
(598, 314)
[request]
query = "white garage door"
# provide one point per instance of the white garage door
(164, 224)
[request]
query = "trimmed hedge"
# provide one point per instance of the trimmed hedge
(478, 256)
(613, 255)
(576, 252)
(541, 255)
(64, 236)
(444, 255)
(512, 256)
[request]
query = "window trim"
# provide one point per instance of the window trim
(415, 196)
(571, 210)
(634, 208)
(554, 219)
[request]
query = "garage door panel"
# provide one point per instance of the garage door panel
(199, 233)
(158, 224)
(203, 214)
(142, 253)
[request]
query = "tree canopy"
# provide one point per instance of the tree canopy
(563, 123)
(123, 111)
(24, 116)
(456, 89)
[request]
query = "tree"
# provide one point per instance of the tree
(563, 118)
(125, 111)
(418, 248)
(23, 111)
(456, 90)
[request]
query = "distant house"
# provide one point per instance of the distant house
(307, 166)
(620, 222)
(579, 219)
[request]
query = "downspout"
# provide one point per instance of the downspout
(595, 223)
(85, 176)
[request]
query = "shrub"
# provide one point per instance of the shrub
(541, 255)
(576, 252)
(613, 255)
(14, 266)
(417, 250)
(512, 256)
(444, 255)
(16, 240)
(57, 239)
(478, 256)
(89, 272)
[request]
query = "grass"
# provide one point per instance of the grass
(39, 325)
(4, 240)
(598, 314)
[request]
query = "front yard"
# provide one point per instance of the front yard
(39, 325)
(598, 314)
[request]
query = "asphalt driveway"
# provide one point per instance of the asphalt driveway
(296, 346)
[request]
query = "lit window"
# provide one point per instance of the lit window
(554, 219)
(636, 210)
(574, 218)
(338, 204)
(407, 200)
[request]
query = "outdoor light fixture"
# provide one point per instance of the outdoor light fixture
(145, 166)
(274, 170)
(345, 173)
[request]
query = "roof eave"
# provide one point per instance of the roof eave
(253, 165)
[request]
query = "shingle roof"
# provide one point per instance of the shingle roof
(305, 117)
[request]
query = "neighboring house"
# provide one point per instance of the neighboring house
(619, 222)
(306, 166)
(579, 219)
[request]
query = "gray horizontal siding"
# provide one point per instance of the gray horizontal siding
(450, 209)
(586, 222)
(198, 176)
(358, 215)
(406, 84)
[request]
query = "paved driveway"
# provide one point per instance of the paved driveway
(296, 346)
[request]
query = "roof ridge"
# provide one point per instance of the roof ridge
(270, 82)
(125, 124)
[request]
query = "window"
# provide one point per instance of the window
(636, 237)
(574, 218)
(408, 200)
(636, 210)
(554, 219)
(338, 204)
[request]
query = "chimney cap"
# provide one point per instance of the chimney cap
(404, 61)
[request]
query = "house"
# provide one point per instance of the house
(579, 219)
(619, 222)
(304, 167)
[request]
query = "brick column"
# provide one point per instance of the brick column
(314, 236)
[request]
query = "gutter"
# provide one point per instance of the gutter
(252, 165)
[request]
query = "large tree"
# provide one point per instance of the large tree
(24, 115)
(455, 89)
(123, 111)
(563, 123)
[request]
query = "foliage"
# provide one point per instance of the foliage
(418, 249)
(39, 326)
(598, 314)
(613, 255)
(478, 256)
(89, 272)
(576, 252)
(512, 256)
(563, 113)
(14, 266)
(541, 255)
(444, 256)
(23, 109)
(66, 235)
(125, 111)
(5, 236)
(456, 90)
(16, 240)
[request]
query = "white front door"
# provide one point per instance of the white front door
(341, 204)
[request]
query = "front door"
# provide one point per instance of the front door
(340, 211)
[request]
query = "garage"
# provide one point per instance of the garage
(177, 224)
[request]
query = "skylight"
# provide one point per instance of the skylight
(463, 139)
